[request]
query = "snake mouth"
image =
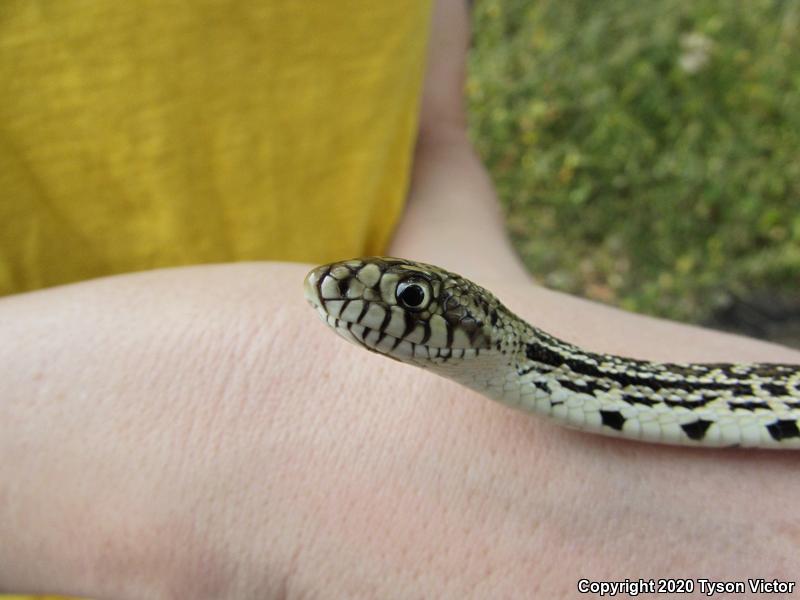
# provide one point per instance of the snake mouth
(391, 346)
(386, 344)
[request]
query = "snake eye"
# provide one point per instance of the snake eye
(413, 294)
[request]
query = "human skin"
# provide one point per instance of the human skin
(197, 433)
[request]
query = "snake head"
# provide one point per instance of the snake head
(405, 310)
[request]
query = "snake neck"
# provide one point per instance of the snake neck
(688, 403)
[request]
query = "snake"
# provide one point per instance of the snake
(428, 317)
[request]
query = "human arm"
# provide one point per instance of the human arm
(193, 432)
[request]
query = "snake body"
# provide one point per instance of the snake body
(425, 316)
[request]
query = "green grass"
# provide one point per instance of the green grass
(647, 154)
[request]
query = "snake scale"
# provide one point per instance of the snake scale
(425, 316)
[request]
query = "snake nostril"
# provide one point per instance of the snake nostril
(344, 284)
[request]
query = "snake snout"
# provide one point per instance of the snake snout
(311, 286)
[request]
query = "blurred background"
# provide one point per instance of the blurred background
(647, 154)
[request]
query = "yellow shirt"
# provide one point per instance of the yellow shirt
(150, 133)
(145, 133)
